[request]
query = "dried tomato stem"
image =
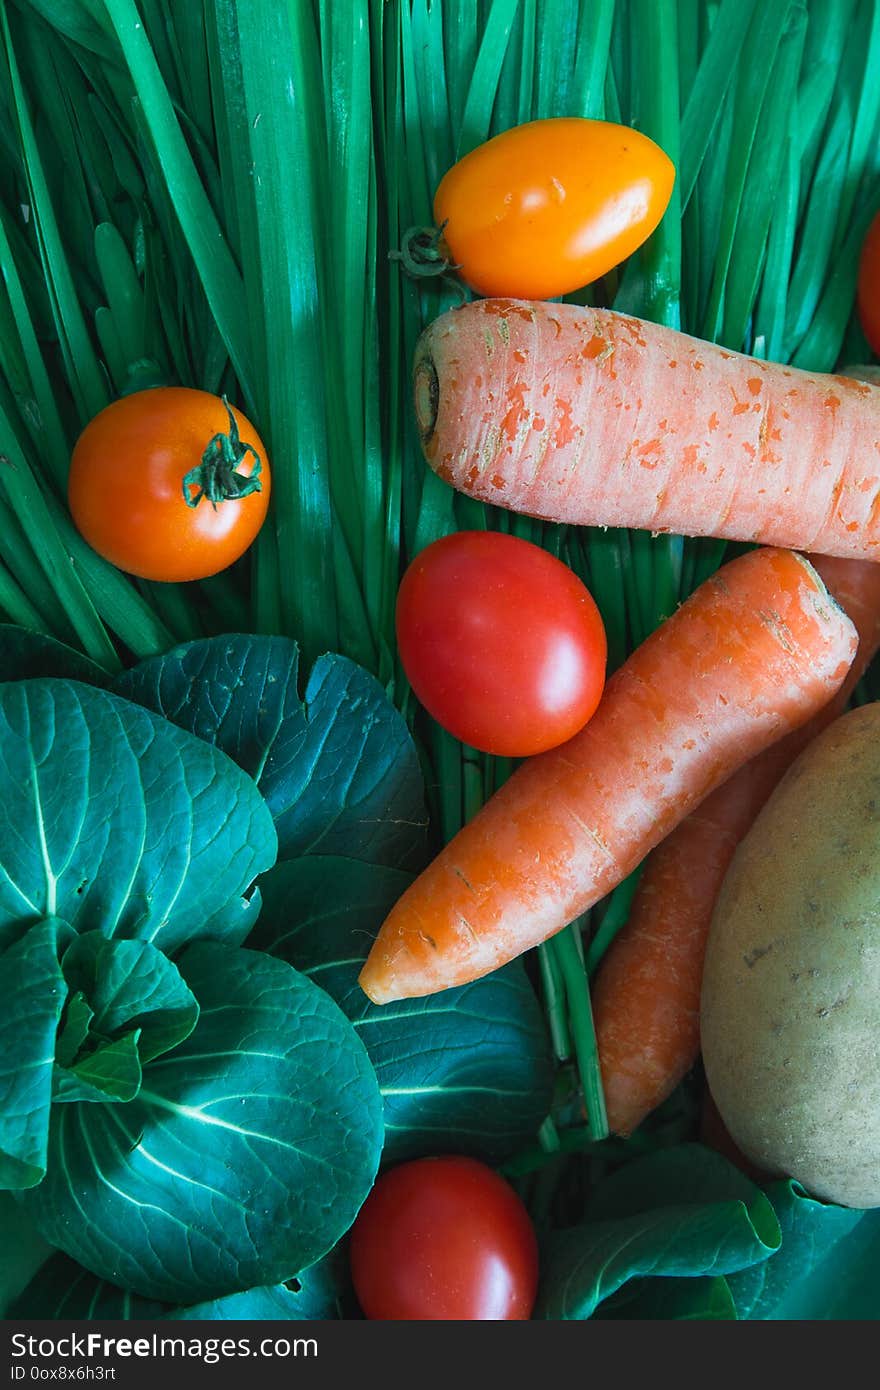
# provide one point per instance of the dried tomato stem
(216, 477)
(424, 255)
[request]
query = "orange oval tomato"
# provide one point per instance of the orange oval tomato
(169, 483)
(552, 205)
(868, 294)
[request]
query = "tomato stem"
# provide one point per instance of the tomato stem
(216, 477)
(424, 255)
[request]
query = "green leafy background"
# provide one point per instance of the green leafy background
(336, 767)
(116, 821)
(207, 193)
(468, 1070)
(245, 1153)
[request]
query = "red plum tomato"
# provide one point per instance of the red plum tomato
(868, 295)
(444, 1239)
(501, 642)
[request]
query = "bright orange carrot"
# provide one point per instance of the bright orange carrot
(646, 995)
(751, 654)
(586, 416)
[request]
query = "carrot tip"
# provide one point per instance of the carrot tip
(373, 990)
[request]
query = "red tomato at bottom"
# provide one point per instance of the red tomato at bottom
(444, 1239)
(501, 642)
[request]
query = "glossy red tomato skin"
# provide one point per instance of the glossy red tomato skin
(551, 205)
(501, 642)
(125, 487)
(444, 1239)
(868, 295)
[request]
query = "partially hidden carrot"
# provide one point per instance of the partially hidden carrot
(646, 993)
(592, 417)
(713, 1132)
(753, 653)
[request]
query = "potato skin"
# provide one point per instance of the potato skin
(790, 1011)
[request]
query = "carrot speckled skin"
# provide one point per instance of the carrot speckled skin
(753, 653)
(646, 995)
(587, 416)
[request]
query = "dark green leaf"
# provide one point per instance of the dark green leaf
(25, 654)
(337, 767)
(22, 1251)
(467, 1069)
(131, 985)
(684, 1174)
(809, 1264)
(63, 1289)
(275, 1303)
(679, 1300)
(111, 1072)
(245, 1155)
(120, 822)
(74, 1030)
(679, 1211)
(848, 1283)
(32, 994)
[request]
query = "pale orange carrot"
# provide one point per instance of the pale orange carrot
(591, 417)
(751, 654)
(646, 994)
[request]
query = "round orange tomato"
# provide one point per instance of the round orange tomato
(169, 483)
(552, 205)
(869, 286)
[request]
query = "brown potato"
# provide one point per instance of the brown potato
(790, 1014)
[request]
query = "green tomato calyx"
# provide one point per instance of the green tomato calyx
(217, 476)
